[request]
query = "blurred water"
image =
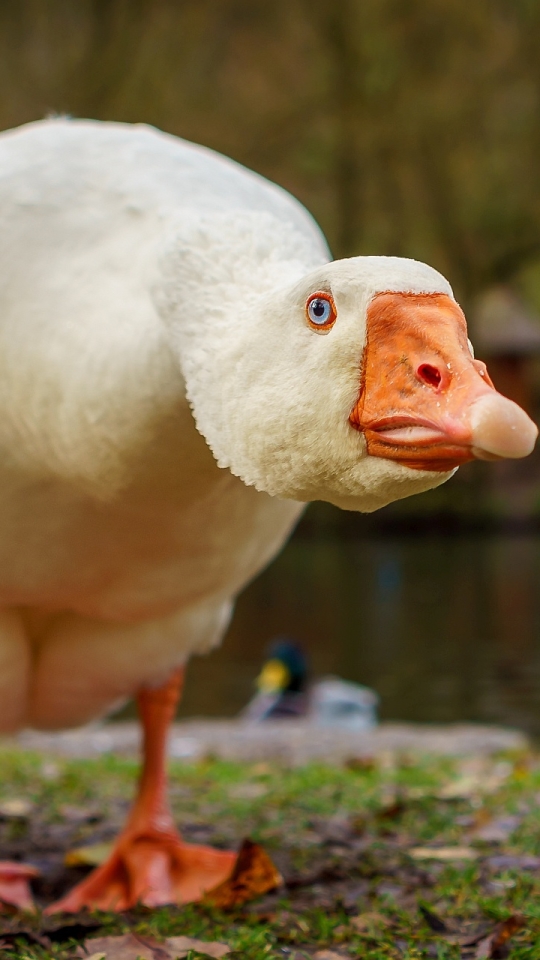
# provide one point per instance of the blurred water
(444, 628)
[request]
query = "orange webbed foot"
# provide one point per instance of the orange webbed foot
(152, 869)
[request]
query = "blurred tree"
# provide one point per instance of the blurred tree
(407, 126)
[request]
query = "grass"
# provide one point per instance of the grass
(344, 839)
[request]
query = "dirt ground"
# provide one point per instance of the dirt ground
(393, 854)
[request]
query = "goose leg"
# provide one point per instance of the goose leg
(150, 863)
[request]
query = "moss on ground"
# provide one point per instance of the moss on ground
(346, 841)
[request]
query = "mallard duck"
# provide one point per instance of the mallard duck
(283, 693)
(281, 684)
(182, 368)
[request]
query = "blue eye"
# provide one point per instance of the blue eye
(321, 311)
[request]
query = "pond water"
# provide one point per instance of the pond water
(445, 628)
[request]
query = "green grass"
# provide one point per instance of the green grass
(341, 837)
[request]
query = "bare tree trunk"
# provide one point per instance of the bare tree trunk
(338, 30)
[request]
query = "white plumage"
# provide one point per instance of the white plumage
(133, 264)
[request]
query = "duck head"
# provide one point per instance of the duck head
(356, 384)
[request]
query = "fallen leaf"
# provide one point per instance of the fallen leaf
(130, 946)
(496, 831)
(180, 946)
(401, 945)
(327, 955)
(92, 855)
(493, 946)
(15, 809)
(361, 764)
(50, 770)
(505, 861)
(247, 791)
(253, 874)
(442, 853)
(475, 779)
(419, 793)
(80, 814)
(461, 789)
(365, 922)
(466, 938)
(261, 769)
(392, 806)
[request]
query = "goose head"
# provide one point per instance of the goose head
(355, 384)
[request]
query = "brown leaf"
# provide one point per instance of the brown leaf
(493, 946)
(361, 764)
(253, 874)
(442, 853)
(130, 946)
(18, 808)
(366, 922)
(75, 814)
(497, 830)
(328, 955)
(91, 855)
(511, 862)
(180, 946)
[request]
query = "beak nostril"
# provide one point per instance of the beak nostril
(429, 375)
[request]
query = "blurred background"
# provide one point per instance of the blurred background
(407, 127)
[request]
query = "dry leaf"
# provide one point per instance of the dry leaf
(507, 861)
(180, 946)
(92, 855)
(496, 831)
(367, 921)
(442, 853)
(253, 874)
(361, 764)
(76, 814)
(261, 769)
(130, 946)
(493, 946)
(15, 809)
(247, 791)
(476, 778)
(327, 955)
(461, 789)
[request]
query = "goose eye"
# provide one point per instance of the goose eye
(321, 311)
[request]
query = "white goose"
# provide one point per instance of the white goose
(181, 369)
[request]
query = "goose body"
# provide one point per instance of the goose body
(121, 540)
(181, 369)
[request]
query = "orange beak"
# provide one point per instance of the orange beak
(424, 401)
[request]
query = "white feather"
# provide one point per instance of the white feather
(133, 264)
